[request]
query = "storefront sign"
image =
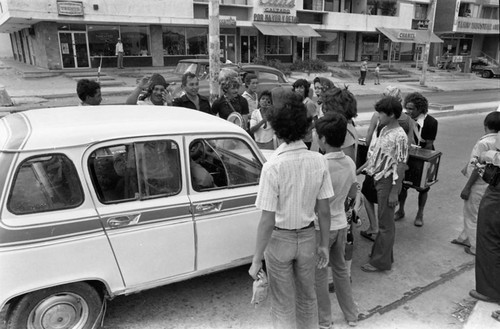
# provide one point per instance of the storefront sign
(70, 8)
(406, 36)
(227, 21)
(278, 11)
(420, 24)
(476, 26)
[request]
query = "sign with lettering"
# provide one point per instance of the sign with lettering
(406, 36)
(277, 11)
(227, 21)
(466, 25)
(70, 8)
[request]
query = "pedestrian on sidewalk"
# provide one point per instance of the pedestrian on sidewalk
(191, 99)
(332, 130)
(377, 74)
(425, 132)
(386, 163)
(488, 233)
(89, 92)
(475, 187)
(294, 184)
(119, 54)
(362, 72)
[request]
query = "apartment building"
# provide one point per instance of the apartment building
(470, 29)
(59, 34)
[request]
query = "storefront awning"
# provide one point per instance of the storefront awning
(298, 30)
(409, 36)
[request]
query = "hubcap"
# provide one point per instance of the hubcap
(62, 311)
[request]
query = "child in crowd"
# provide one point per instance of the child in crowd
(302, 87)
(261, 129)
(377, 74)
(475, 187)
(250, 93)
(332, 129)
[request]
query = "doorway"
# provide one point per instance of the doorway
(248, 48)
(303, 48)
(228, 47)
(74, 49)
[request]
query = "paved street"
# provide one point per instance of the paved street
(429, 280)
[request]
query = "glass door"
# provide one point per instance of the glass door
(228, 48)
(303, 48)
(396, 51)
(74, 50)
(248, 48)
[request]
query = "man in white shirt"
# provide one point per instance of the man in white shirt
(293, 181)
(119, 53)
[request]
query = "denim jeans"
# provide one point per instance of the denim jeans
(341, 281)
(291, 262)
(381, 255)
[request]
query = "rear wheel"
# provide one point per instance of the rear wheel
(71, 306)
(487, 74)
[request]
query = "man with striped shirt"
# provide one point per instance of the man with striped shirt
(294, 184)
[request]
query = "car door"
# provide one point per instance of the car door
(223, 181)
(268, 80)
(140, 195)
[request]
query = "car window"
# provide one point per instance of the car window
(136, 171)
(183, 67)
(267, 76)
(45, 183)
(225, 162)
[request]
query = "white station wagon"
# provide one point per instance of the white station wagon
(110, 200)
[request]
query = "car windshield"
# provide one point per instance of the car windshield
(186, 67)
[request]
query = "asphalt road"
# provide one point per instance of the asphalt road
(430, 278)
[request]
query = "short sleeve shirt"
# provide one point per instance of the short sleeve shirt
(485, 143)
(291, 182)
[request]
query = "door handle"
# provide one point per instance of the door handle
(123, 220)
(203, 208)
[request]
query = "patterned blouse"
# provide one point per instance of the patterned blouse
(384, 155)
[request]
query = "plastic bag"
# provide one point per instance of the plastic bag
(260, 287)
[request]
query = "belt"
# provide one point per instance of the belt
(311, 224)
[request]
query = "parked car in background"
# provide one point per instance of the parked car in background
(269, 77)
(103, 201)
(485, 68)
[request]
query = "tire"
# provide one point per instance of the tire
(486, 74)
(70, 306)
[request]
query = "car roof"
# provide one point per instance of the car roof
(84, 125)
(231, 65)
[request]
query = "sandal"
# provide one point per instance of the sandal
(496, 315)
(464, 243)
(369, 236)
(369, 268)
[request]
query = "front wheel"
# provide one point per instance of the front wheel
(487, 74)
(70, 306)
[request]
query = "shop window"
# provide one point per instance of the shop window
(313, 5)
(174, 41)
(102, 39)
(71, 27)
(328, 43)
(135, 40)
(421, 11)
(489, 12)
(275, 45)
(197, 41)
(369, 45)
(185, 41)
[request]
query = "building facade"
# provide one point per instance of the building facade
(58, 34)
(470, 30)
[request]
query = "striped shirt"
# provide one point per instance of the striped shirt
(291, 182)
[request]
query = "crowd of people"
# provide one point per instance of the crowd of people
(307, 195)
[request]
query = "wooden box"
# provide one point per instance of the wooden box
(423, 168)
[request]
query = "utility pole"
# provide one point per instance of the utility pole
(431, 14)
(213, 48)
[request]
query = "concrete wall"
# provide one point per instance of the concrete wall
(445, 15)
(5, 46)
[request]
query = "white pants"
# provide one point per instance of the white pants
(471, 207)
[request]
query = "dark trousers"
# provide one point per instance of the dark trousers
(362, 78)
(119, 61)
